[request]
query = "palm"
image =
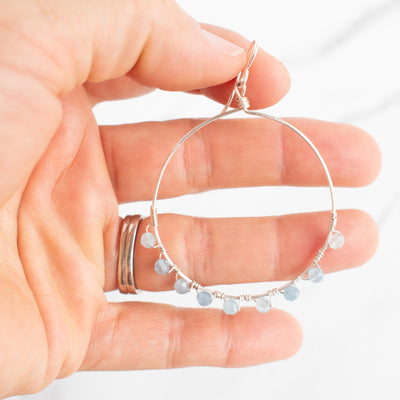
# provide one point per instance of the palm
(66, 214)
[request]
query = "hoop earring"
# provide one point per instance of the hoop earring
(232, 303)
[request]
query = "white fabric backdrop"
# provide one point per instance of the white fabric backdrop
(344, 61)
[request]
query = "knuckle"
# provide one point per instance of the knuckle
(174, 348)
(199, 249)
(197, 160)
(229, 344)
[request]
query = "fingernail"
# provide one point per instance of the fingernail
(223, 45)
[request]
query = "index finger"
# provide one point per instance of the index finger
(266, 73)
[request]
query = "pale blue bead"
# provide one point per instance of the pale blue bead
(162, 266)
(336, 241)
(263, 304)
(315, 275)
(291, 293)
(231, 306)
(148, 240)
(181, 286)
(204, 298)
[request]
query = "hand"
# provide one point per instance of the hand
(62, 177)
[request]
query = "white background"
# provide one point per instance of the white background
(344, 60)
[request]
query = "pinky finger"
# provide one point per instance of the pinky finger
(135, 335)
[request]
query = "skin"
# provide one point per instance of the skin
(62, 177)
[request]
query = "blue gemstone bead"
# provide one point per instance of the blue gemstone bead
(231, 306)
(336, 241)
(148, 240)
(291, 293)
(204, 298)
(181, 286)
(315, 275)
(263, 304)
(162, 266)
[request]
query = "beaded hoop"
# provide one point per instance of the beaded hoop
(183, 284)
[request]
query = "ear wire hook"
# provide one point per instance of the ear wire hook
(239, 88)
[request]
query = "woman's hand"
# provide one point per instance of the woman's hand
(62, 177)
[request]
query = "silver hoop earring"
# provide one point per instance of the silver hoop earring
(232, 303)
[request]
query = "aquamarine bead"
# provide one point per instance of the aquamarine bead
(336, 241)
(148, 240)
(181, 286)
(263, 304)
(162, 266)
(315, 275)
(231, 306)
(291, 293)
(204, 298)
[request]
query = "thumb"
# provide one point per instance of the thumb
(48, 48)
(159, 45)
(154, 40)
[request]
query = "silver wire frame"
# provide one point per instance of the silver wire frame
(243, 103)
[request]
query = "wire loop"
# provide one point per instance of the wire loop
(239, 89)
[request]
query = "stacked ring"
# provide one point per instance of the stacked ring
(126, 278)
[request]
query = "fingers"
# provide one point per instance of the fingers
(239, 250)
(266, 72)
(235, 153)
(143, 335)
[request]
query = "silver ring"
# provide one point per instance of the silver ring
(126, 278)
